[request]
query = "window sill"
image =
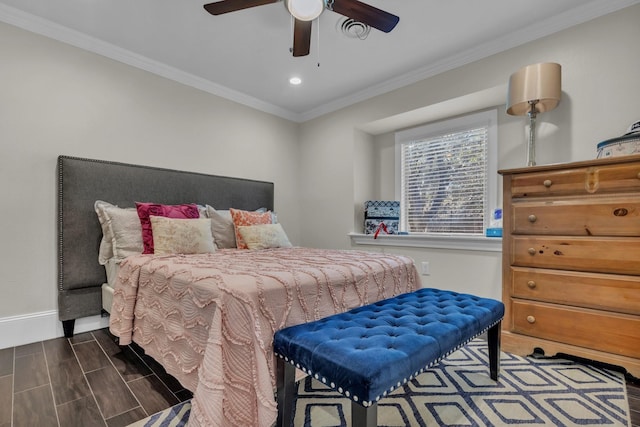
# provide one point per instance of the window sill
(480, 243)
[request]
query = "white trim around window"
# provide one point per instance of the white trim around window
(479, 243)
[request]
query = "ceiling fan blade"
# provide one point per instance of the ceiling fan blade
(362, 12)
(226, 6)
(301, 38)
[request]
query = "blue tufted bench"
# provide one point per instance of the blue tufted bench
(367, 352)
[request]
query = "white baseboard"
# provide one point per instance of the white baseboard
(29, 328)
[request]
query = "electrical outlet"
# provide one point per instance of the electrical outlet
(425, 268)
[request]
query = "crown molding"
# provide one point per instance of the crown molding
(584, 13)
(80, 40)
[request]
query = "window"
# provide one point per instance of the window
(446, 176)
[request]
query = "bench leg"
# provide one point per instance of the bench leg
(285, 382)
(364, 417)
(494, 350)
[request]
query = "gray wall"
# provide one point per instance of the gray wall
(600, 68)
(57, 99)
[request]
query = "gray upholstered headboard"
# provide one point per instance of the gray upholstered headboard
(83, 181)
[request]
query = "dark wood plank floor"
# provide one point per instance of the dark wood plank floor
(88, 381)
(84, 381)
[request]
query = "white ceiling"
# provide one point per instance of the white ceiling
(244, 55)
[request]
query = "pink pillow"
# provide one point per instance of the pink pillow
(244, 218)
(170, 211)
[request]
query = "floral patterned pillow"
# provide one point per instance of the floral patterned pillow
(181, 236)
(145, 210)
(264, 236)
(244, 218)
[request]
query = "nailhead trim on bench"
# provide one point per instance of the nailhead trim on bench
(349, 395)
(401, 337)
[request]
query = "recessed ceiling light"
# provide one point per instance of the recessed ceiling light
(295, 81)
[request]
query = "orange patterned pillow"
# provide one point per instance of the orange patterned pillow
(243, 218)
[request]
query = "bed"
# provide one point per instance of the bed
(209, 318)
(81, 181)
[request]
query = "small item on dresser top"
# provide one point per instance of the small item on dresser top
(624, 145)
(377, 212)
(633, 128)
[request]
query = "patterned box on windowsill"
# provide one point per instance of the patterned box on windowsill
(380, 211)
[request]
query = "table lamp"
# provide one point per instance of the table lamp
(534, 89)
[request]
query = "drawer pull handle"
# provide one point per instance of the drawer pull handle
(531, 251)
(547, 183)
(533, 218)
(638, 175)
(531, 319)
(531, 284)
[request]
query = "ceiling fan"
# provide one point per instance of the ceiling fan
(305, 11)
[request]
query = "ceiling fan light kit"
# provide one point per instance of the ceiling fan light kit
(305, 10)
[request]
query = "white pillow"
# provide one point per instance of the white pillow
(181, 236)
(222, 228)
(264, 236)
(121, 232)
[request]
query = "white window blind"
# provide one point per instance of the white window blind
(445, 172)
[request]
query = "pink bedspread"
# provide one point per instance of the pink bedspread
(210, 319)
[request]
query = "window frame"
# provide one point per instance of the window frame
(487, 118)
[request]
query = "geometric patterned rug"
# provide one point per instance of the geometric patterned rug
(458, 392)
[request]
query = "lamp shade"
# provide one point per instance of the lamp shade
(537, 82)
(305, 10)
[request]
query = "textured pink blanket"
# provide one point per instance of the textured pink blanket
(210, 319)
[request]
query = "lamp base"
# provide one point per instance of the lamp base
(531, 145)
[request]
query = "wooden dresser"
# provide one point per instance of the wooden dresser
(571, 260)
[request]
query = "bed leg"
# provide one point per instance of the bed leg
(67, 326)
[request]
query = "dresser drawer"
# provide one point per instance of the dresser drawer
(599, 330)
(585, 180)
(593, 216)
(619, 255)
(599, 291)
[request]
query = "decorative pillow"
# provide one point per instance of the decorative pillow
(181, 236)
(121, 232)
(274, 216)
(145, 210)
(243, 218)
(222, 229)
(264, 236)
(106, 248)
